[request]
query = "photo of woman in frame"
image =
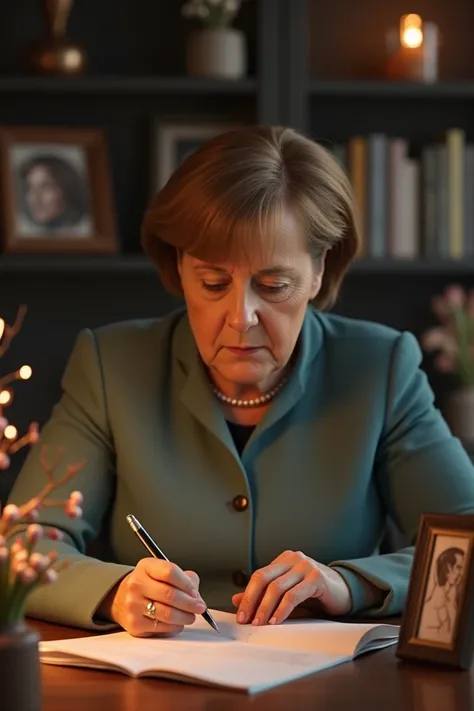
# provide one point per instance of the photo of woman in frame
(53, 196)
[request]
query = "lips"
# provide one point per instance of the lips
(243, 350)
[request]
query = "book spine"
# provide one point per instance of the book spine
(357, 166)
(429, 199)
(455, 149)
(377, 195)
(442, 237)
(397, 155)
(469, 202)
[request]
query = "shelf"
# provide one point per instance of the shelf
(391, 89)
(419, 267)
(80, 264)
(139, 264)
(125, 85)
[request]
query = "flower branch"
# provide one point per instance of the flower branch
(22, 569)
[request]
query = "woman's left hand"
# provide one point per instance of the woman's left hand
(290, 580)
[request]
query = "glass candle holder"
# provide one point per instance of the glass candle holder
(413, 50)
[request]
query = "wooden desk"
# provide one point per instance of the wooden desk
(377, 681)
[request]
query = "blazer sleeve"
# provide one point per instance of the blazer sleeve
(420, 467)
(79, 426)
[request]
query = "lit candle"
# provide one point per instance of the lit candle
(413, 50)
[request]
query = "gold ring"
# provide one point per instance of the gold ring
(151, 609)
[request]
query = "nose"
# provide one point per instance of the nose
(243, 310)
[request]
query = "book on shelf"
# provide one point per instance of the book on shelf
(412, 206)
(241, 657)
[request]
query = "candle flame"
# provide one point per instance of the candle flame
(411, 32)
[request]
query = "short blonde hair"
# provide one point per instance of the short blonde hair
(227, 198)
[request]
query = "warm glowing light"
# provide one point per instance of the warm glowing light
(25, 372)
(10, 432)
(5, 397)
(411, 31)
(2, 327)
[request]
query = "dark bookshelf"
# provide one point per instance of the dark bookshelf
(389, 89)
(139, 264)
(125, 85)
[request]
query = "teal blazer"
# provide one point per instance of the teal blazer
(353, 437)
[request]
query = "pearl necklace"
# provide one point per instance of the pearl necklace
(256, 402)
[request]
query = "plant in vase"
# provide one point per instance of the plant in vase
(22, 568)
(453, 343)
(216, 50)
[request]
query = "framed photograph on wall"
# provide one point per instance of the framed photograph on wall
(56, 193)
(438, 623)
(174, 141)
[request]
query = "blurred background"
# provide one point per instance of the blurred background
(100, 101)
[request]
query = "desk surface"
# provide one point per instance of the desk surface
(377, 681)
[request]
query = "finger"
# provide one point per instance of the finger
(237, 598)
(170, 615)
(274, 594)
(164, 571)
(256, 589)
(194, 577)
(172, 597)
(312, 586)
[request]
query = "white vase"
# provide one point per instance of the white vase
(220, 53)
(460, 414)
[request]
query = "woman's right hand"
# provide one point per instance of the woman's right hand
(174, 592)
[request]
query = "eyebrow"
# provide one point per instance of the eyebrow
(269, 271)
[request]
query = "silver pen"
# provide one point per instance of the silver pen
(153, 549)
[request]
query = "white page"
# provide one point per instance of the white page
(217, 662)
(242, 656)
(322, 636)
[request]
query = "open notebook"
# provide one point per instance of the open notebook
(244, 658)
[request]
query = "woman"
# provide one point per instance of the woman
(54, 194)
(261, 441)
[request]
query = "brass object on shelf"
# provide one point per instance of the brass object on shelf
(56, 55)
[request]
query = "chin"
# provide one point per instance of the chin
(244, 373)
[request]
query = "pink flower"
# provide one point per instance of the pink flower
(455, 296)
(49, 576)
(11, 513)
(29, 576)
(76, 497)
(445, 363)
(34, 533)
(38, 562)
(55, 534)
(438, 339)
(72, 510)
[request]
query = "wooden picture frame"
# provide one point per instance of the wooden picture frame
(173, 141)
(56, 194)
(438, 622)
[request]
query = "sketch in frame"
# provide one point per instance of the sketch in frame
(438, 623)
(442, 599)
(56, 191)
(175, 141)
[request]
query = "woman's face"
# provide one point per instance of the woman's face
(43, 195)
(246, 318)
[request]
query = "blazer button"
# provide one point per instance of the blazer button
(240, 503)
(240, 578)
